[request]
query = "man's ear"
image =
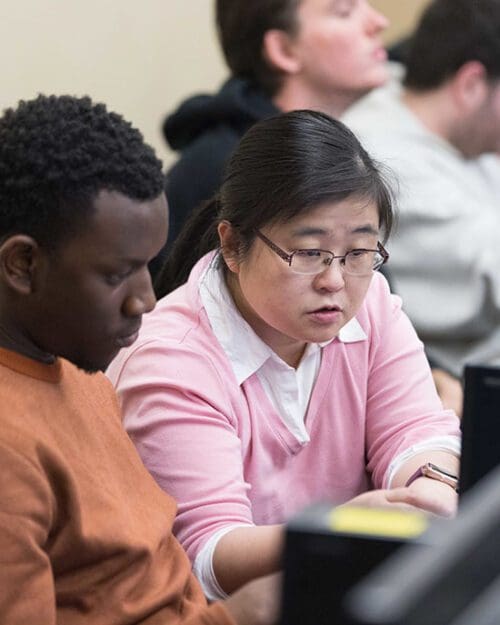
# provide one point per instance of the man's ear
(18, 258)
(470, 86)
(229, 245)
(279, 51)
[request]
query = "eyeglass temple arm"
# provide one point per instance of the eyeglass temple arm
(274, 247)
(383, 252)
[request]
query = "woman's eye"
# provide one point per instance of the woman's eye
(312, 253)
(357, 253)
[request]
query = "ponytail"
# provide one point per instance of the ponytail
(197, 238)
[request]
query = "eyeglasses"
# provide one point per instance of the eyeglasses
(357, 262)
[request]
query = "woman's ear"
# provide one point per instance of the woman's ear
(18, 259)
(279, 51)
(229, 245)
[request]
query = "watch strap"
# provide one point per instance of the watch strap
(434, 472)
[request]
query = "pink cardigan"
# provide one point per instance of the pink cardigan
(223, 452)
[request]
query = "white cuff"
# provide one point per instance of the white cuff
(203, 564)
(436, 443)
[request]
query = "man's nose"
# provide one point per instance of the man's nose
(375, 21)
(141, 298)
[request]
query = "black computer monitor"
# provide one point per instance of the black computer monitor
(442, 585)
(328, 549)
(480, 424)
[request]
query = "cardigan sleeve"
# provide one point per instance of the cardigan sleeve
(403, 407)
(178, 412)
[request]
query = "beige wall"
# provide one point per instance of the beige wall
(402, 15)
(138, 57)
(141, 58)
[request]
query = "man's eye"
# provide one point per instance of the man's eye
(114, 279)
(343, 8)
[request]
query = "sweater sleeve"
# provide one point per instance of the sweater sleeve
(27, 592)
(179, 414)
(403, 407)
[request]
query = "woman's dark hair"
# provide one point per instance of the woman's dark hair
(242, 24)
(283, 166)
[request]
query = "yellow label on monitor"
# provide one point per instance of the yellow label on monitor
(388, 522)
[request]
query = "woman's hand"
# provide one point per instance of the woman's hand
(433, 496)
(383, 498)
(423, 494)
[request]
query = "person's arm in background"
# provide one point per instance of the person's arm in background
(448, 387)
(449, 390)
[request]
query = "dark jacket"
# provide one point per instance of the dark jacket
(205, 129)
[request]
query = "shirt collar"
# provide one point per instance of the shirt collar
(245, 350)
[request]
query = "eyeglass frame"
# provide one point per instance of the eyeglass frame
(289, 257)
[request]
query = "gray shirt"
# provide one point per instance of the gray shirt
(445, 252)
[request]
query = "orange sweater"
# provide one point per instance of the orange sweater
(85, 533)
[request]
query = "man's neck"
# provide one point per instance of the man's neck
(15, 341)
(294, 96)
(433, 109)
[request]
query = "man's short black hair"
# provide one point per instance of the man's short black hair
(56, 154)
(450, 34)
(242, 24)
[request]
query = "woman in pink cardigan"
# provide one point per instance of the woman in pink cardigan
(282, 371)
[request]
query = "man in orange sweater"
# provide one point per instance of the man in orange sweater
(85, 533)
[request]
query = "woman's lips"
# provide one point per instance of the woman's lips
(326, 315)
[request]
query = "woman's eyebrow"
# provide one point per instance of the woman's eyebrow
(366, 229)
(306, 231)
(316, 231)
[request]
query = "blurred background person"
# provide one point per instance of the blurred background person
(438, 132)
(282, 55)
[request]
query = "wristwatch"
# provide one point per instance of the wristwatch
(434, 473)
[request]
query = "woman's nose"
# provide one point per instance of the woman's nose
(332, 277)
